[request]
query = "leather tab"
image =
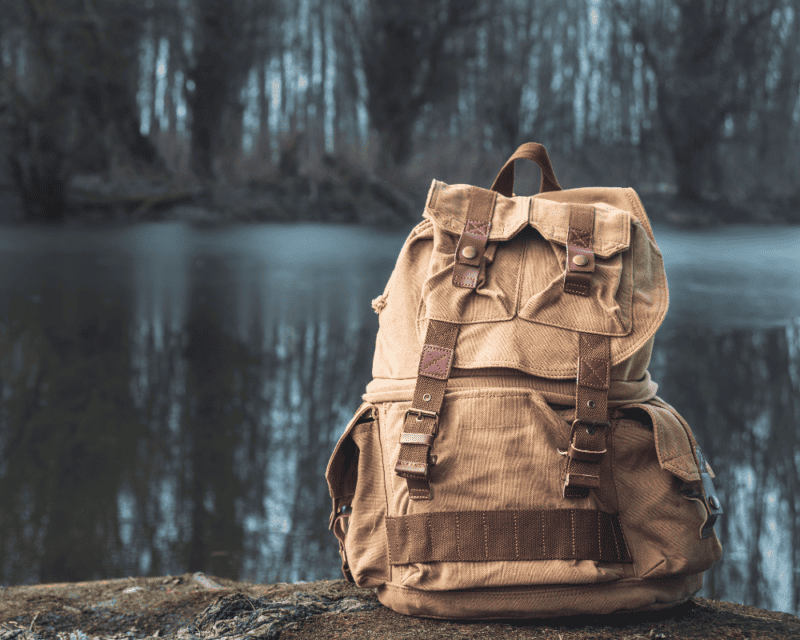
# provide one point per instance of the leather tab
(465, 276)
(435, 362)
(406, 469)
(472, 242)
(580, 254)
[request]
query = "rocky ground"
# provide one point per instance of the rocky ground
(196, 606)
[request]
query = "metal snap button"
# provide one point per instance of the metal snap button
(590, 430)
(714, 502)
(580, 260)
(427, 397)
(591, 404)
(469, 252)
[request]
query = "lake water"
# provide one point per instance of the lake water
(171, 395)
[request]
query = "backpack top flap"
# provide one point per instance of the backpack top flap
(519, 316)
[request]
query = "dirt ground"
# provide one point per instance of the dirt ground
(161, 606)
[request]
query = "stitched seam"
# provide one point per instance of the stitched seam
(572, 531)
(458, 539)
(600, 536)
(485, 536)
(544, 547)
(516, 534)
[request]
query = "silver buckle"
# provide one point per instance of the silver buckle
(422, 413)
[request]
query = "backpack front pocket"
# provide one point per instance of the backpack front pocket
(607, 308)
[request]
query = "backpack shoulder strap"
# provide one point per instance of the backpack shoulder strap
(421, 421)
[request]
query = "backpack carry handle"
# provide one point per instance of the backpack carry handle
(504, 182)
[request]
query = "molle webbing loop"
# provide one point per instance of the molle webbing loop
(479, 536)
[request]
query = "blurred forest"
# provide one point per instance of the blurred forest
(345, 110)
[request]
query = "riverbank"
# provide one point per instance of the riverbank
(196, 606)
(337, 193)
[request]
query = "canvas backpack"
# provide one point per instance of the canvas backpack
(511, 458)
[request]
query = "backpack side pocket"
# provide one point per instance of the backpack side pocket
(654, 463)
(355, 482)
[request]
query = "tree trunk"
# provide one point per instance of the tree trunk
(210, 75)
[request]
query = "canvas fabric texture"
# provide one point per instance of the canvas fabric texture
(480, 524)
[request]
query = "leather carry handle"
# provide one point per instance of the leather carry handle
(504, 182)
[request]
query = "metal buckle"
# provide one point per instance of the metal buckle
(422, 413)
(575, 422)
(599, 423)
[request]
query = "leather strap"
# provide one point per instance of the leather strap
(472, 243)
(504, 182)
(580, 254)
(419, 428)
(473, 536)
(587, 440)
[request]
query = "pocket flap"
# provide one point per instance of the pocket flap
(612, 227)
(674, 441)
(342, 471)
(447, 206)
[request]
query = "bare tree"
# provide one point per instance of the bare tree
(407, 64)
(707, 56)
(225, 39)
(74, 101)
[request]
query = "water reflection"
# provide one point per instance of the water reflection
(170, 398)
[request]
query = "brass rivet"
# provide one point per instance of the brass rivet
(427, 397)
(591, 404)
(581, 260)
(469, 252)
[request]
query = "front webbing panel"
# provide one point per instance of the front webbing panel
(480, 536)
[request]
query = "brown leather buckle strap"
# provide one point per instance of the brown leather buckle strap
(421, 422)
(587, 440)
(472, 243)
(476, 536)
(580, 254)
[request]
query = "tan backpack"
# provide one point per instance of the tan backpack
(511, 458)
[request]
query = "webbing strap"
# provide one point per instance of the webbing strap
(580, 254)
(423, 416)
(436, 359)
(475, 536)
(589, 430)
(472, 243)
